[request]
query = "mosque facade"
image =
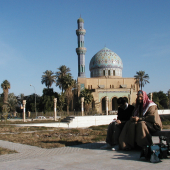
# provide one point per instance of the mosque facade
(106, 81)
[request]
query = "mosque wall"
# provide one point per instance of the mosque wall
(110, 87)
(109, 83)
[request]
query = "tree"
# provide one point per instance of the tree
(60, 102)
(63, 71)
(88, 98)
(68, 86)
(5, 86)
(12, 102)
(20, 99)
(30, 105)
(48, 78)
(1, 102)
(75, 101)
(141, 78)
(161, 99)
(47, 100)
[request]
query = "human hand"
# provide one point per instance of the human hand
(134, 119)
(118, 121)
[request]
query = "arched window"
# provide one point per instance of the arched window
(109, 72)
(113, 72)
(103, 72)
(103, 105)
(114, 104)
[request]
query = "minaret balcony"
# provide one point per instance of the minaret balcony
(81, 32)
(81, 50)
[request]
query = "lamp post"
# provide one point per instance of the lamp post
(35, 99)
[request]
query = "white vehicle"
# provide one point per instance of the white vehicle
(40, 117)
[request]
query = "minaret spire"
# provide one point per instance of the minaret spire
(81, 50)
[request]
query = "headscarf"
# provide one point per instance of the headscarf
(146, 104)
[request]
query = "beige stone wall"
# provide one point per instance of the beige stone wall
(110, 87)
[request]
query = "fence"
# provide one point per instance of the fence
(71, 113)
(33, 115)
(61, 114)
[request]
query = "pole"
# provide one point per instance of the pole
(82, 108)
(107, 109)
(55, 115)
(107, 98)
(24, 103)
(35, 100)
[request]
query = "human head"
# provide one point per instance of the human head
(140, 96)
(121, 101)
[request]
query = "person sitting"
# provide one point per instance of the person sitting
(145, 120)
(114, 129)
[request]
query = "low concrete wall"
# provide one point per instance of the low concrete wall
(85, 121)
(163, 112)
(78, 122)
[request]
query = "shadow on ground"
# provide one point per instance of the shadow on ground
(66, 143)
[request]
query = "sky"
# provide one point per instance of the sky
(40, 35)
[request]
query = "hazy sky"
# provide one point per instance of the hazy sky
(39, 35)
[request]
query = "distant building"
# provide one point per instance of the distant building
(106, 80)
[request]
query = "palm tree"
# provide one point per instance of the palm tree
(48, 78)
(88, 97)
(61, 102)
(141, 78)
(63, 71)
(5, 86)
(68, 84)
(20, 99)
(12, 101)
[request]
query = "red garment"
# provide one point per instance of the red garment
(146, 104)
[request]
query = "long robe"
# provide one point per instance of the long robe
(140, 132)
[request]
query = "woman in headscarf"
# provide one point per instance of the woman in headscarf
(145, 120)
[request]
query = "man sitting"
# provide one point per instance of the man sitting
(145, 120)
(115, 127)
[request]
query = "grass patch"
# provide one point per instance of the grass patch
(47, 137)
(52, 137)
(14, 129)
(4, 151)
(101, 127)
(165, 121)
(28, 122)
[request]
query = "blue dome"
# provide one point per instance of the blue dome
(105, 59)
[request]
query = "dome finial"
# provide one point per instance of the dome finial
(80, 19)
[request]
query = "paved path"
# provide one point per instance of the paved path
(84, 157)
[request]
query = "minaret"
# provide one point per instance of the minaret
(81, 50)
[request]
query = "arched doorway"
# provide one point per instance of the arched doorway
(104, 105)
(114, 104)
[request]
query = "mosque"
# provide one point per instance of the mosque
(106, 81)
